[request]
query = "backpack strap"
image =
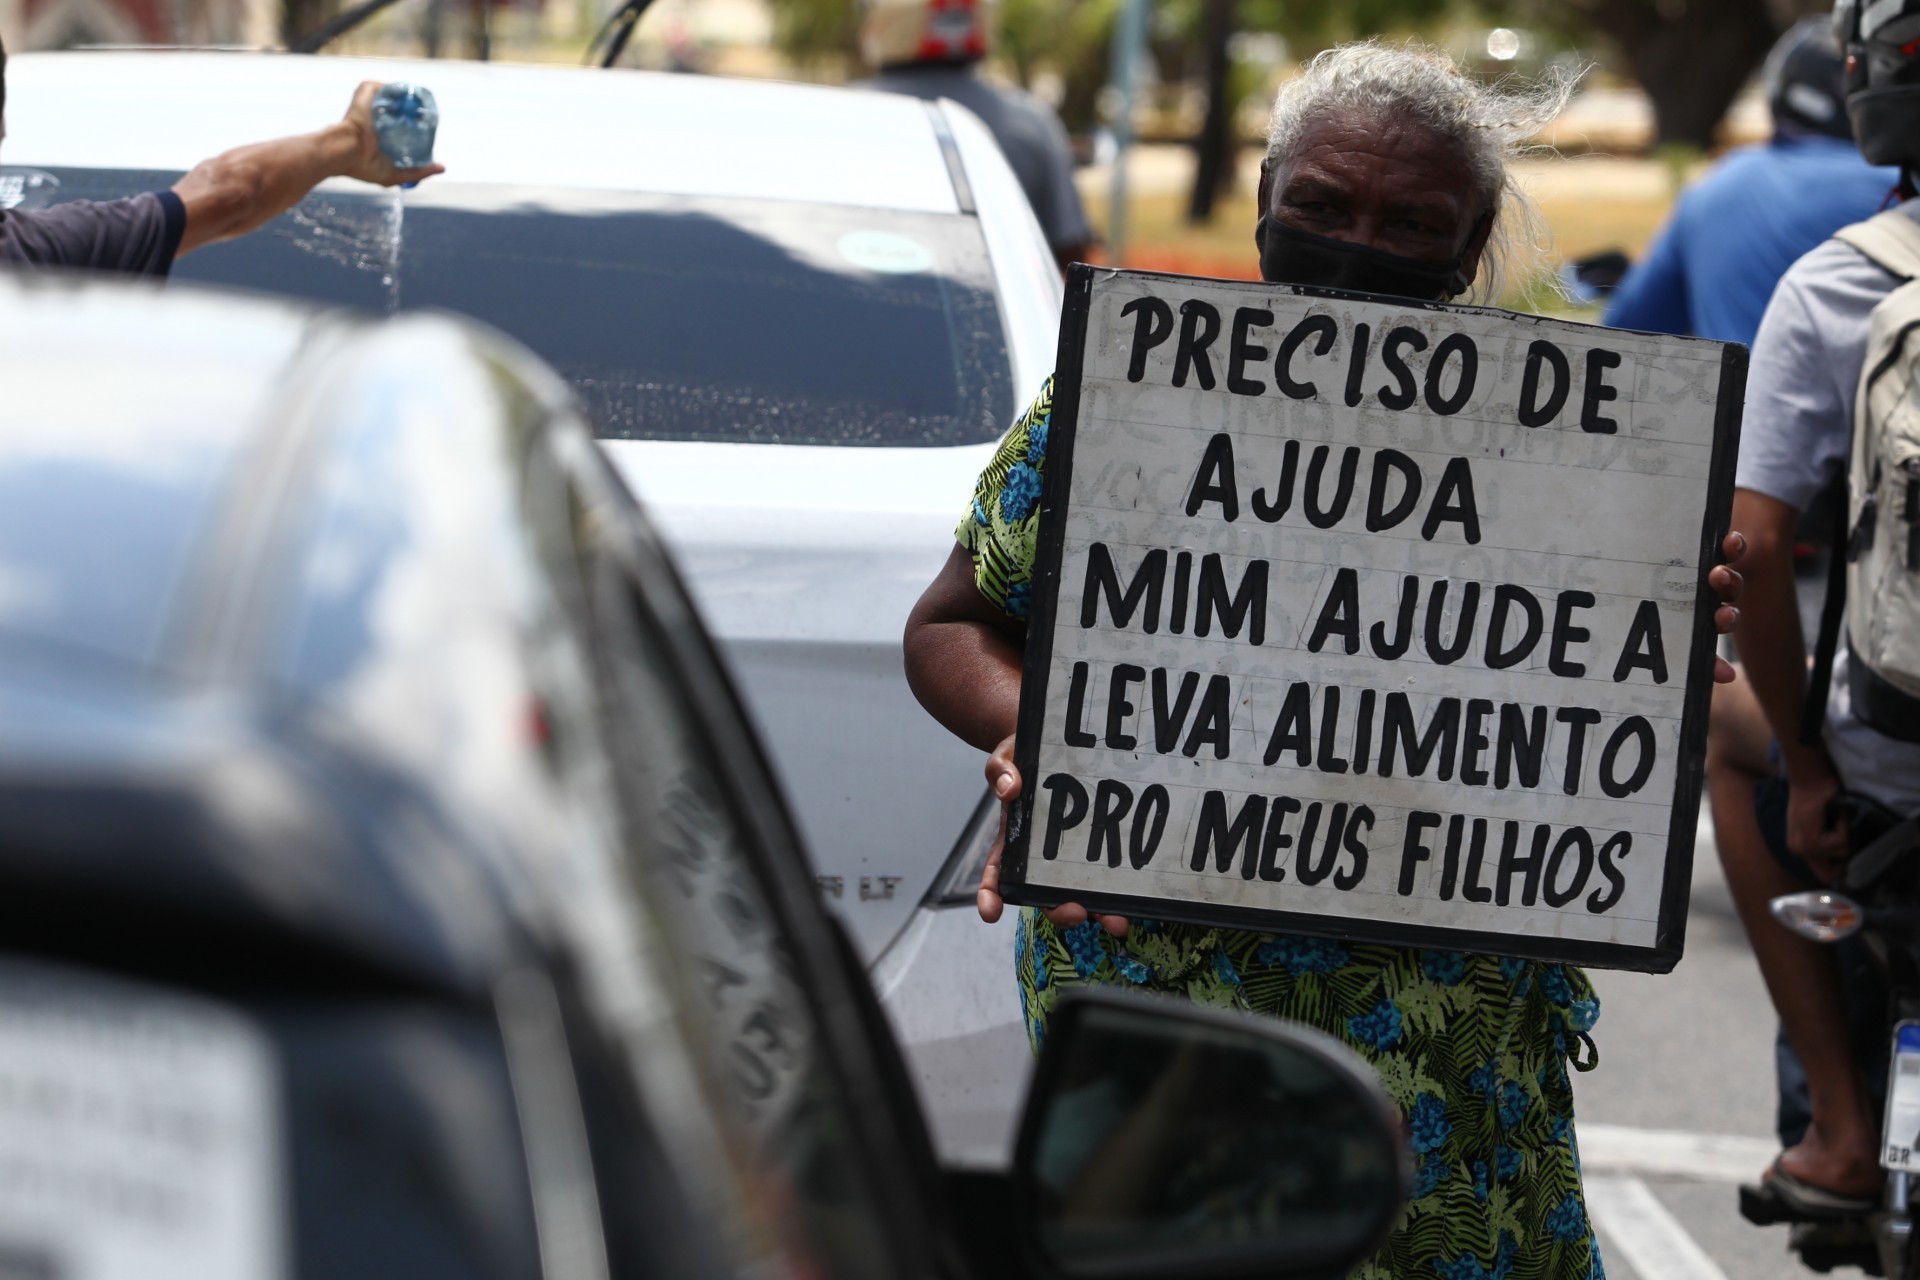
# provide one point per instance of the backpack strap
(1891, 239)
(1813, 713)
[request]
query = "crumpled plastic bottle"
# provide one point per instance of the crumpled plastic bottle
(405, 118)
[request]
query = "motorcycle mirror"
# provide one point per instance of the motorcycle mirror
(1819, 915)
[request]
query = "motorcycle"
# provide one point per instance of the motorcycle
(1878, 902)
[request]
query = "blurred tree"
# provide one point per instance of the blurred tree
(1312, 25)
(303, 17)
(1690, 56)
(1067, 37)
(1072, 39)
(819, 34)
(1214, 148)
(1307, 25)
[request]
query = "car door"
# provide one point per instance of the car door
(829, 1157)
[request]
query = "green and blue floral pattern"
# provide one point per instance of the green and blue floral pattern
(1475, 1049)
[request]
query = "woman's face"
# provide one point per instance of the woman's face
(1396, 186)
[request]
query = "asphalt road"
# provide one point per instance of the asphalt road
(1686, 1053)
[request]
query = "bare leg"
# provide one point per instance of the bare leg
(1841, 1149)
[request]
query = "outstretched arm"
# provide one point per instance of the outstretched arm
(244, 189)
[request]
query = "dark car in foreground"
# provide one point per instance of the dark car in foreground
(390, 884)
(799, 318)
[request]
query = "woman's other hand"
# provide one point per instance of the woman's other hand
(1003, 778)
(1726, 582)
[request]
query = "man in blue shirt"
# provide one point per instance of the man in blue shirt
(1734, 233)
(931, 49)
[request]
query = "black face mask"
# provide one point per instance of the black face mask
(1291, 256)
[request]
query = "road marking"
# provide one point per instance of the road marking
(1709, 1157)
(1636, 1224)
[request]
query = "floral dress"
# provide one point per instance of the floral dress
(1474, 1048)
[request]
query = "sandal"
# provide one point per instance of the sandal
(1781, 1197)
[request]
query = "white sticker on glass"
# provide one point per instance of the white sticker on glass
(885, 251)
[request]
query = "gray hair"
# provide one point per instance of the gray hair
(1489, 125)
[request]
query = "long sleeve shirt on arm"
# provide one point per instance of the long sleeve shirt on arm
(137, 236)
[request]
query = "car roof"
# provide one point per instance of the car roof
(500, 124)
(128, 418)
(160, 464)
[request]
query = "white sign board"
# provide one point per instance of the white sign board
(1373, 619)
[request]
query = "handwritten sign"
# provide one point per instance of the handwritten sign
(1371, 619)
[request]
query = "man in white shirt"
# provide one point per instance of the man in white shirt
(1779, 829)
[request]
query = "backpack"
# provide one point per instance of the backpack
(1874, 575)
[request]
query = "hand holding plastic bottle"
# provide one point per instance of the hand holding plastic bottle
(243, 189)
(414, 136)
(405, 119)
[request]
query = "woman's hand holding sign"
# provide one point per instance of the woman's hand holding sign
(1003, 776)
(1726, 582)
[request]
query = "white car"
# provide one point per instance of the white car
(800, 318)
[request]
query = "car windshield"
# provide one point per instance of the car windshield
(674, 317)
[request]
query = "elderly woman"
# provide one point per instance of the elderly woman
(1386, 171)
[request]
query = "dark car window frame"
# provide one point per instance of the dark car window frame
(890, 1133)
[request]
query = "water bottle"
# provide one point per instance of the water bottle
(404, 120)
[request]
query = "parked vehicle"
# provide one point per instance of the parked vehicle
(391, 885)
(798, 318)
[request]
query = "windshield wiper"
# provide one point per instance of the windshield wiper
(619, 27)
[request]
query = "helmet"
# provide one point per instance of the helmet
(897, 31)
(1882, 43)
(1805, 87)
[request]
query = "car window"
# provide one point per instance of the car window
(674, 317)
(808, 1188)
(747, 1006)
(153, 445)
(436, 619)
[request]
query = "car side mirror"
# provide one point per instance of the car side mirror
(1165, 1139)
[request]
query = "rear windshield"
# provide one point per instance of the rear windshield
(675, 318)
